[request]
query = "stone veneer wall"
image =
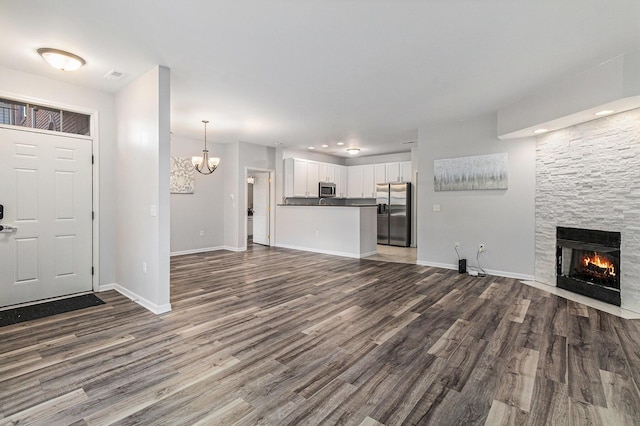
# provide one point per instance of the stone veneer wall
(588, 176)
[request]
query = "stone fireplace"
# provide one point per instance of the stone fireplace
(588, 263)
(588, 178)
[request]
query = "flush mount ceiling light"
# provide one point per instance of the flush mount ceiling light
(353, 151)
(340, 143)
(539, 131)
(60, 59)
(603, 112)
(312, 147)
(325, 146)
(204, 164)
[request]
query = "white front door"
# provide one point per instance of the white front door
(46, 191)
(261, 208)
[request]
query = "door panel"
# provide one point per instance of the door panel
(26, 265)
(46, 192)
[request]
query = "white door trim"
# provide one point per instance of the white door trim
(95, 148)
(272, 203)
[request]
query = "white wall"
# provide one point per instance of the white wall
(231, 171)
(16, 84)
(143, 146)
(202, 210)
(502, 220)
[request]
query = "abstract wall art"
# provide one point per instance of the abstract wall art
(181, 176)
(471, 173)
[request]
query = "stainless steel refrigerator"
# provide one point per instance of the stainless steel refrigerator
(394, 213)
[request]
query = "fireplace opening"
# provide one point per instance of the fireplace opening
(589, 263)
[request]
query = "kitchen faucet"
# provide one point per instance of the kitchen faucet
(320, 201)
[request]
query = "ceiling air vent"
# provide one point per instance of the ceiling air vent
(114, 75)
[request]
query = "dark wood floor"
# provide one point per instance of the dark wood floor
(273, 336)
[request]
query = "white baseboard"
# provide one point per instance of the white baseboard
(194, 251)
(331, 252)
(436, 264)
(156, 309)
(488, 271)
(234, 248)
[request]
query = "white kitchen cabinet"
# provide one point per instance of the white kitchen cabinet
(341, 181)
(312, 179)
(331, 173)
(393, 172)
(380, 173)
(326, 172)
(355, 182)
(398, 172)
(322, 172)
(361, 181)
(300, 178)
(369, 181)
(405, 171)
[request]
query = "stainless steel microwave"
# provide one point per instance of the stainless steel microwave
(327, 189)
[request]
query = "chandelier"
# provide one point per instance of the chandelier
(204, 164)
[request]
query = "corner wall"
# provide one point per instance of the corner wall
(501, 219)
(142, 231)
(588, 176)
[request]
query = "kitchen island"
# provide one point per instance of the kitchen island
(349, 231)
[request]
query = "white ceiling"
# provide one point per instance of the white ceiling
(304, 73)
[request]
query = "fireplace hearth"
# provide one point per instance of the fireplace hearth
(588, 263)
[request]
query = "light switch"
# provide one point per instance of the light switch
(153, 210)
(436, 207)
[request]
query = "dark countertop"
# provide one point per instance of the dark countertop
(326, 205)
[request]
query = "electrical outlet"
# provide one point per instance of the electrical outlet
(481, 248)
(457, 244)
(202, 233)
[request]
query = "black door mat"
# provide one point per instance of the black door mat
(47, 309)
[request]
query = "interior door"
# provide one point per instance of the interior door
(45, 188)
(261, 208)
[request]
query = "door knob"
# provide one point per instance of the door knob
(7, 229)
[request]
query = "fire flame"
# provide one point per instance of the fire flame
(600, 262)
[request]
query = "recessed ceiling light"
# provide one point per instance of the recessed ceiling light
(312, 147)
(60, 59)
(353, 151)
(325, 146)
(538, 131)
(603, 112)
(340, 143)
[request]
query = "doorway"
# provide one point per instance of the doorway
(258, 223)
(46, 193)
